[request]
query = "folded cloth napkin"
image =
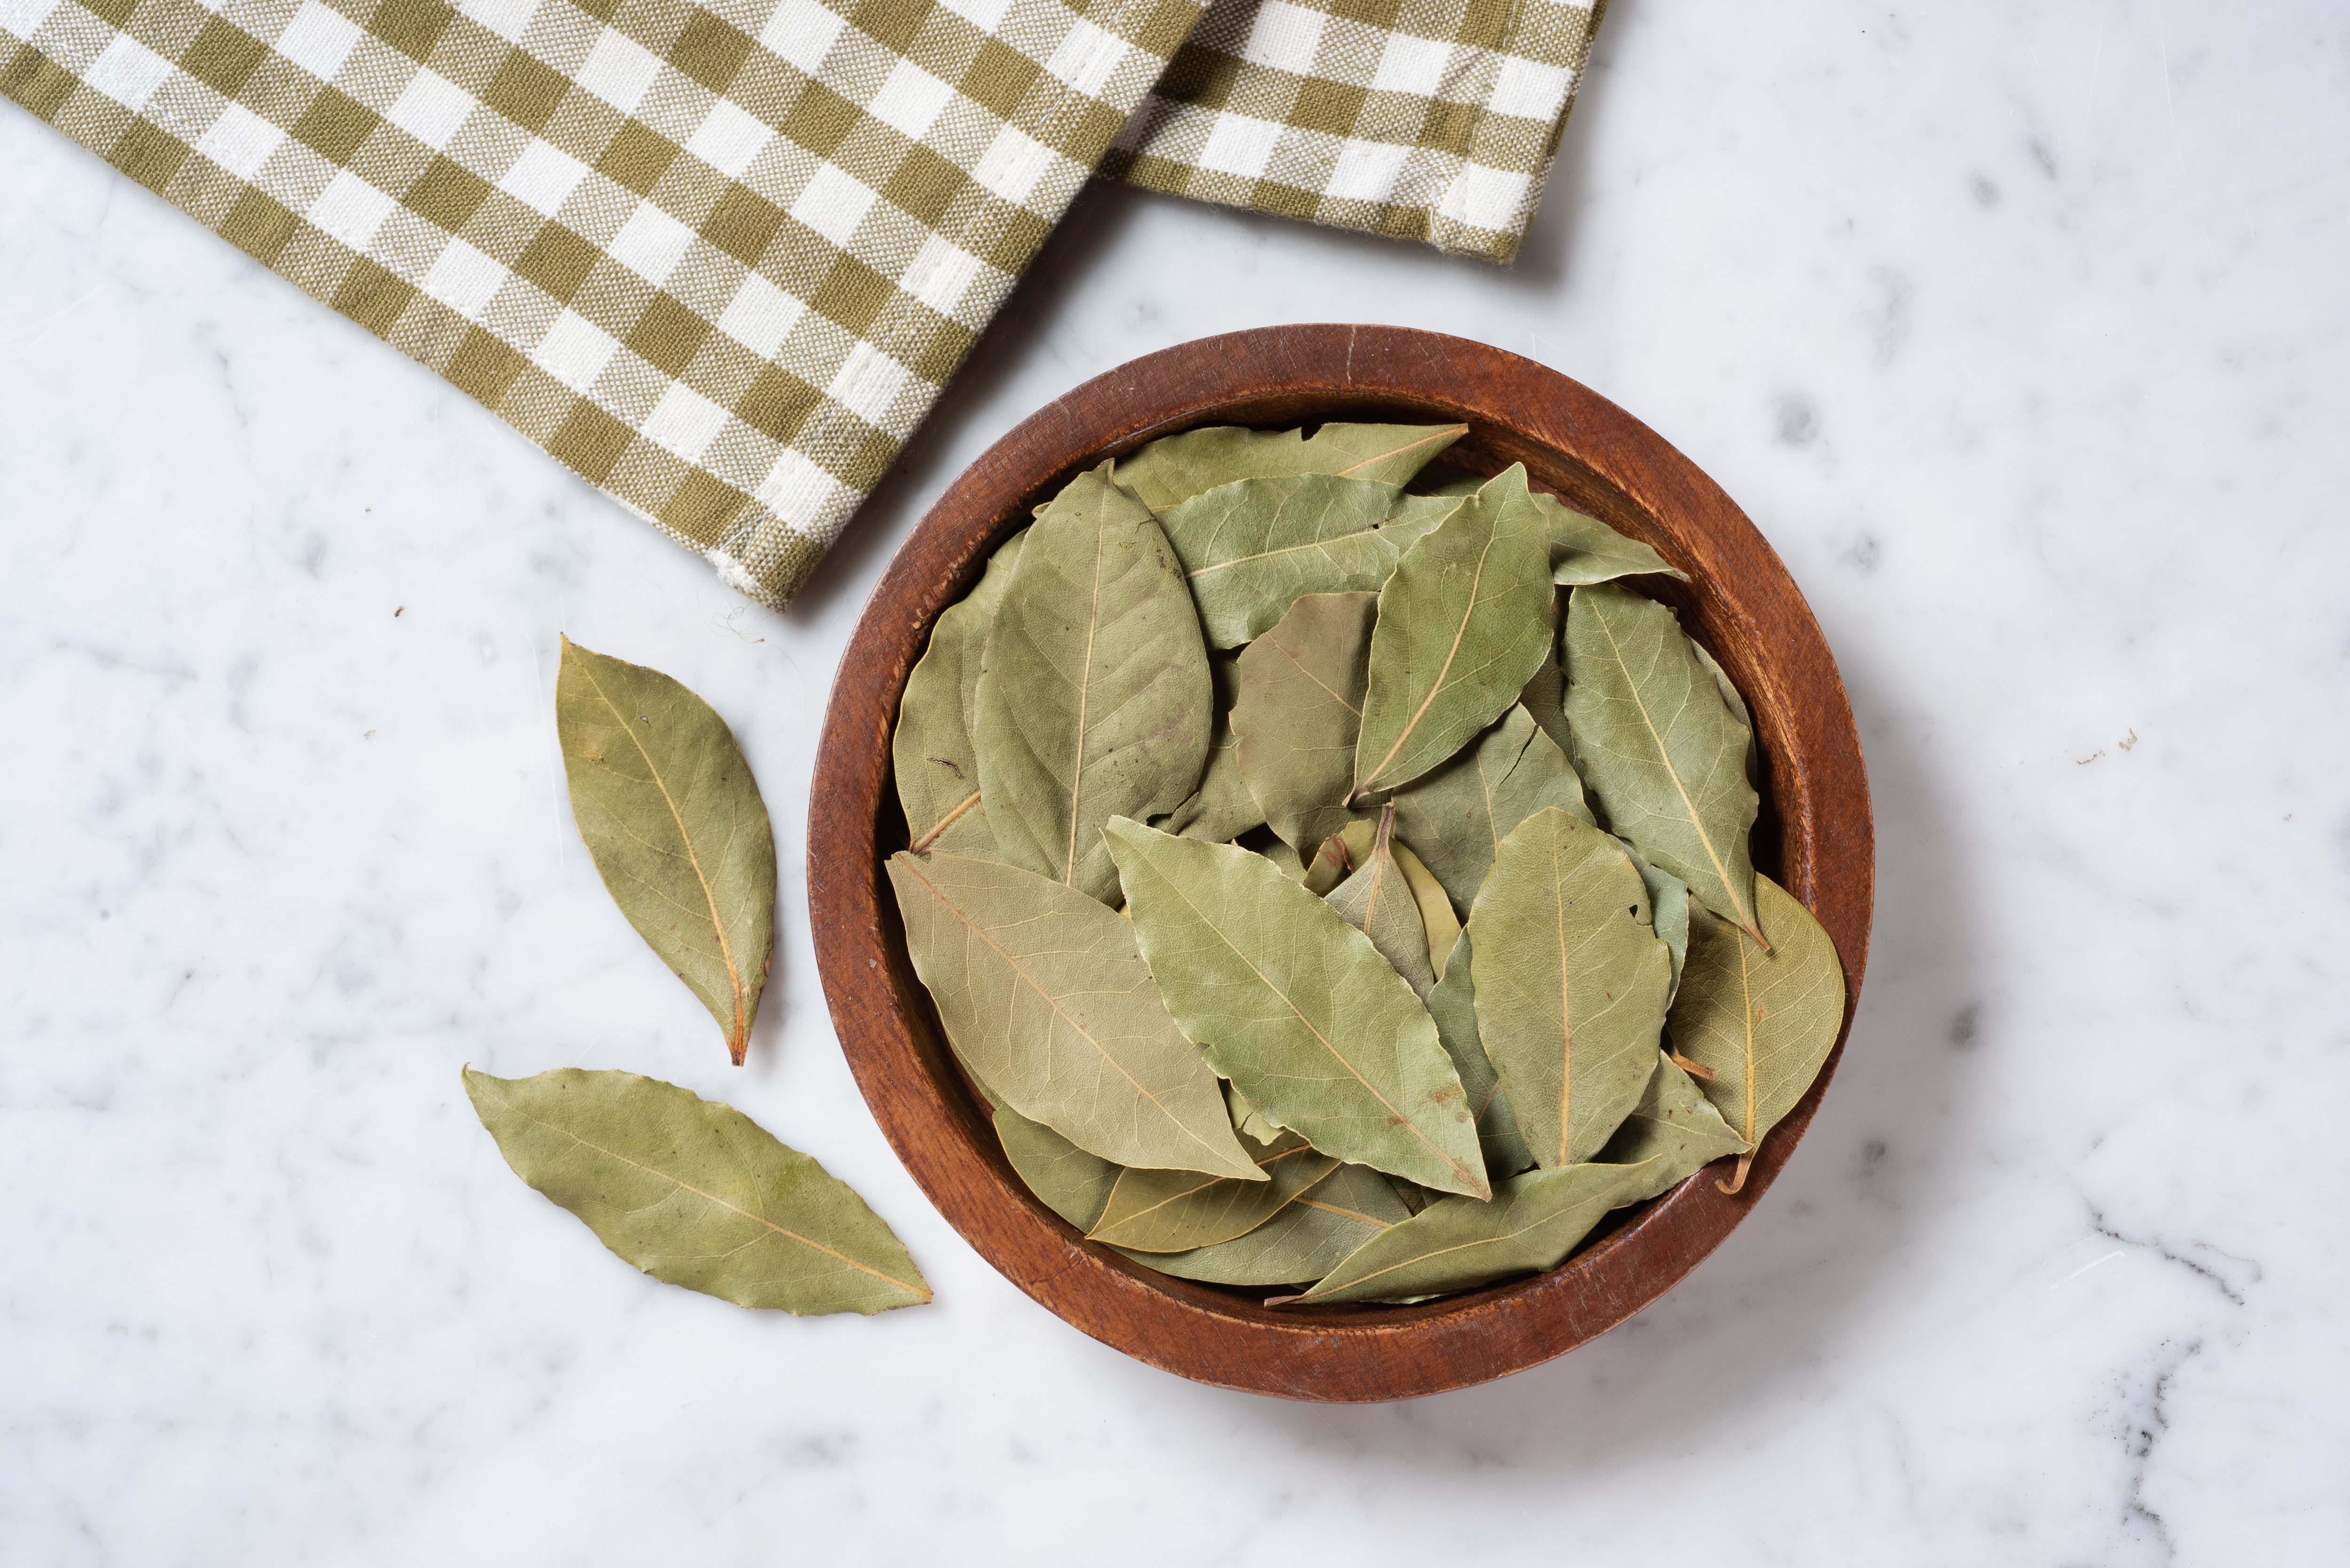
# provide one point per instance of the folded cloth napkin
(1429, 119)
(718, 258)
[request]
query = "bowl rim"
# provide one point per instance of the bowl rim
(1741, 602)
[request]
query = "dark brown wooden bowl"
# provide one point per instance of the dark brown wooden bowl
(1815, 836)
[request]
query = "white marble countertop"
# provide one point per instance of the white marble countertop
(2019, 330)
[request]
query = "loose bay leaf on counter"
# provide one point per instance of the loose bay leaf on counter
(1377, 902)
(930, 751)
(1297, 1008)
(1571, 984)
(673, 820)
(1222, 808)
(1065, 1179)
(1175, 468)
(1094, 700)
(1455, 816)
(1533, 1223)
(1674, 1129)
(1252, 549)
(1761, 1021)
(1302, 1242)
(1462, 624)
(1178, 1210)
(1585, 550)
(1660, 751)
(1300, 703)
(1043, 992)
(1453, 1005)
(695, 1193)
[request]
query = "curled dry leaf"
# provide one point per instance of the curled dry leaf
(1094, 699)
(695, 1193)
(1177, 1211)
(932, 756)
(1571, 984)
(1673, 1130)
(1761, 1021)
(1533, 1223)
(1042, 993)
(1297, 1008)
(1303, 1240)
(1457, 814)
(1175, 468)
(1376, 901)
(672, 818)
(1300, 705)
(1658, 749)
(1462, 624)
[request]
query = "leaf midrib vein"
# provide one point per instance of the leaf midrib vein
(686, 1186)
(740, 1033)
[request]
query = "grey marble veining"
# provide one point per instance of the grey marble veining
(2020, 331)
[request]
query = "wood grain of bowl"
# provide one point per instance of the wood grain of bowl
(1815, 835)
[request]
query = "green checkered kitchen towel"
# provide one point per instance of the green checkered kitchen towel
(718, 258)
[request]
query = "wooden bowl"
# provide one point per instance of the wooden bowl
(1814, 835)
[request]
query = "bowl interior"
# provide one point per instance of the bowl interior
(1809, 837)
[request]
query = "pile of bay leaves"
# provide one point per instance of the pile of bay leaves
(1321, 908)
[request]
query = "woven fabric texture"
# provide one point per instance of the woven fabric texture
(720, 258)
(716, 258)
(1427, 120)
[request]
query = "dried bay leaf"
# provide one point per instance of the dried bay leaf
(1669, 911)
(673, 821)
(1094, 701)
(930, 752)
(1303, 1240)
(1175, 468)
(1252, 548)
(1658, 749)
(1045, 994)
(1545, 697)
(1762, 1021)
(1377, 902)
(1733, 700)
(1067, 1181)
(695, 1193)
(1585, 550)
(1297, 1008)
(1571, 984)
(1453, 1005)
(1674, 1129)
(1350, 846)
(1177, 1211)
(1299, 704)
(1222, 808)
(1455, 816)
(1462, 624)
(1534, 1221)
